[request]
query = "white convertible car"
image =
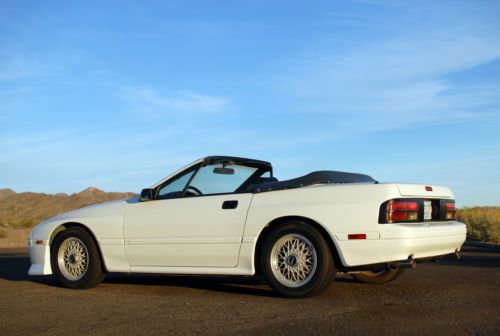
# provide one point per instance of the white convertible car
(230, 216)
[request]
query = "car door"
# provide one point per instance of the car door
(196, 220)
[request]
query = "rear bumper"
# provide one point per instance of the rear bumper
(398, 241)
(395, 242)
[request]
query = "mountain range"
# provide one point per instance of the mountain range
(26, 209)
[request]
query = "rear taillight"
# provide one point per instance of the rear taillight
(402, 211)
(416, 210)
(449, 210)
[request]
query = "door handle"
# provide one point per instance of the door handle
(230, 205)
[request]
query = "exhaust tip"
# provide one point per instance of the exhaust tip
(408, 263)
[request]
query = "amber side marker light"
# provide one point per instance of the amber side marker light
(39, 242)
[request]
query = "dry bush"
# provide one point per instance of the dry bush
(483, 223)
(3, 234)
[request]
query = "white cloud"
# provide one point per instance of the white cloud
(29, 140)
(16, 65)
(393, 80)
(149, 101)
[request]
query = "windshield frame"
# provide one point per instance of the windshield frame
(262, 168)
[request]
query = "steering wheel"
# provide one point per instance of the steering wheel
(196, 190)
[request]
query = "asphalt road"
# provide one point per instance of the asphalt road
(449, 298)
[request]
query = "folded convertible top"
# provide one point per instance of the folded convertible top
(317, 177)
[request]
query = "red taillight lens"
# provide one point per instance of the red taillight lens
(449, 206)
(402, 211)
(402, 206)
(450, 211)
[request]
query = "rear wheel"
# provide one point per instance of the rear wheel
(378, 277)
(75, 259)
(297, 261)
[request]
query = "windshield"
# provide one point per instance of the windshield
(212, 179)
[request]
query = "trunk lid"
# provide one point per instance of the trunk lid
(425, 191)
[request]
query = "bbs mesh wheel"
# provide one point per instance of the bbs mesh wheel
(296, 260)
(75, 259)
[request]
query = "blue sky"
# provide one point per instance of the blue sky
(118, 94)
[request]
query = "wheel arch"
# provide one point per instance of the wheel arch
(68, 225)
(308, 221)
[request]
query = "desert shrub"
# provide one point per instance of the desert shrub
(3, 234)
(483, 223)
(28, 223)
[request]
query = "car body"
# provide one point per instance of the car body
(216, 216)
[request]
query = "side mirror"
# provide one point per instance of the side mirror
(147, 195)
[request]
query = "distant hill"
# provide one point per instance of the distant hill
(6, 192)
(27, 209)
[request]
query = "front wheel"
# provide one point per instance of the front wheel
(297, 261)
(378, 277)
(75, 259)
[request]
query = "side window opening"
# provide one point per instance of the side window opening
(176, 187)
(267, 174)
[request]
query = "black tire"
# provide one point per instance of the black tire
(80, 266)
(274, 269)
(378, 277)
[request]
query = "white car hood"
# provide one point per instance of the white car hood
(106, 209)
(107, 213)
